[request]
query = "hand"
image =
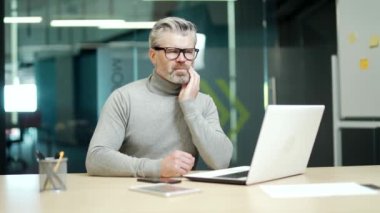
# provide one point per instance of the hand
(190, 90)
(176, 163)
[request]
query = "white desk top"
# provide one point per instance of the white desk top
(20, 193)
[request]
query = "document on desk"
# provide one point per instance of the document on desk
(317, 190)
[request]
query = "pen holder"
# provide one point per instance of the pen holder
(52, 174)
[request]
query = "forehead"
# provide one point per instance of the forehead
(169, 39)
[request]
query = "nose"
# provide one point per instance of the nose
(181, 57)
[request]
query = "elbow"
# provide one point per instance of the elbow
(90, 164)
(221, 165)
(225, 161)
(89, 167)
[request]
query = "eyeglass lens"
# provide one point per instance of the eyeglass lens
(173, 53)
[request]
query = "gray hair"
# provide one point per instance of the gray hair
(174, 25)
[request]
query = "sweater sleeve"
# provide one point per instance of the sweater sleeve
(103, 156)
(213, 145)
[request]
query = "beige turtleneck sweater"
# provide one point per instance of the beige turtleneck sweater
(143, 121)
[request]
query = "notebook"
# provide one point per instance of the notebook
(283, 147)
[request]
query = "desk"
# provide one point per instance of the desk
(19, 193)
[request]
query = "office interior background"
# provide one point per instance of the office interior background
(56, 75)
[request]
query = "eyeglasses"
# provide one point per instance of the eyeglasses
(173, 53)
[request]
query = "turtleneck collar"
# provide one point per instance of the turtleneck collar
(159, 85)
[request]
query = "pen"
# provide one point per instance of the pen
(60, 157)
(61, 154)
(39, 155)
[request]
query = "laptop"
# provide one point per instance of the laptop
(283, 148)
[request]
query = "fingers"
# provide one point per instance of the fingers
(183, 162)
(183, 165)
(191, 89)
(181, 169)
(194, 78)
(177, 163)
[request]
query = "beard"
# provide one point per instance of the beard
(179, 75)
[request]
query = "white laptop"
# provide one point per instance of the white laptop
(283, 148)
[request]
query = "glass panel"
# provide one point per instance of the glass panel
(75, 68)
(301, 40)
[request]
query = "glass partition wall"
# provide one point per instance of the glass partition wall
(70, 55)
(64, 57)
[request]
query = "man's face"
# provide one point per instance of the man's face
(175, 71)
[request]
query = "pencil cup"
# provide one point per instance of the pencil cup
(52, 174)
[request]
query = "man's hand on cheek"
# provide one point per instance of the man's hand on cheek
(190, 90)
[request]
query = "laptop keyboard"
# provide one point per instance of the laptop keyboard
(236, 175)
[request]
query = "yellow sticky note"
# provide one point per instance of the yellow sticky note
(352, 38)
(374, 41)
(364, 64)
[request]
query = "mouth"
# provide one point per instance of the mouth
(181, 69)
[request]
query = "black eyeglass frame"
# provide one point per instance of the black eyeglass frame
(180, 51)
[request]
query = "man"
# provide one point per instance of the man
(155, 127)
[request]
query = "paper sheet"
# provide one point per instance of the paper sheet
(316, 190)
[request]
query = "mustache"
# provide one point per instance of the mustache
(181, 67)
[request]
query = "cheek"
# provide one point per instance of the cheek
(164, 68)
(167, 65)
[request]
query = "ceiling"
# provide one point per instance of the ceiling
(40, 40)
(42, 37)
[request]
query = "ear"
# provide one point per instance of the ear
(152, 56)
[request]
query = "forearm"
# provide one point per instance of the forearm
(103, 161)
(212, 144)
